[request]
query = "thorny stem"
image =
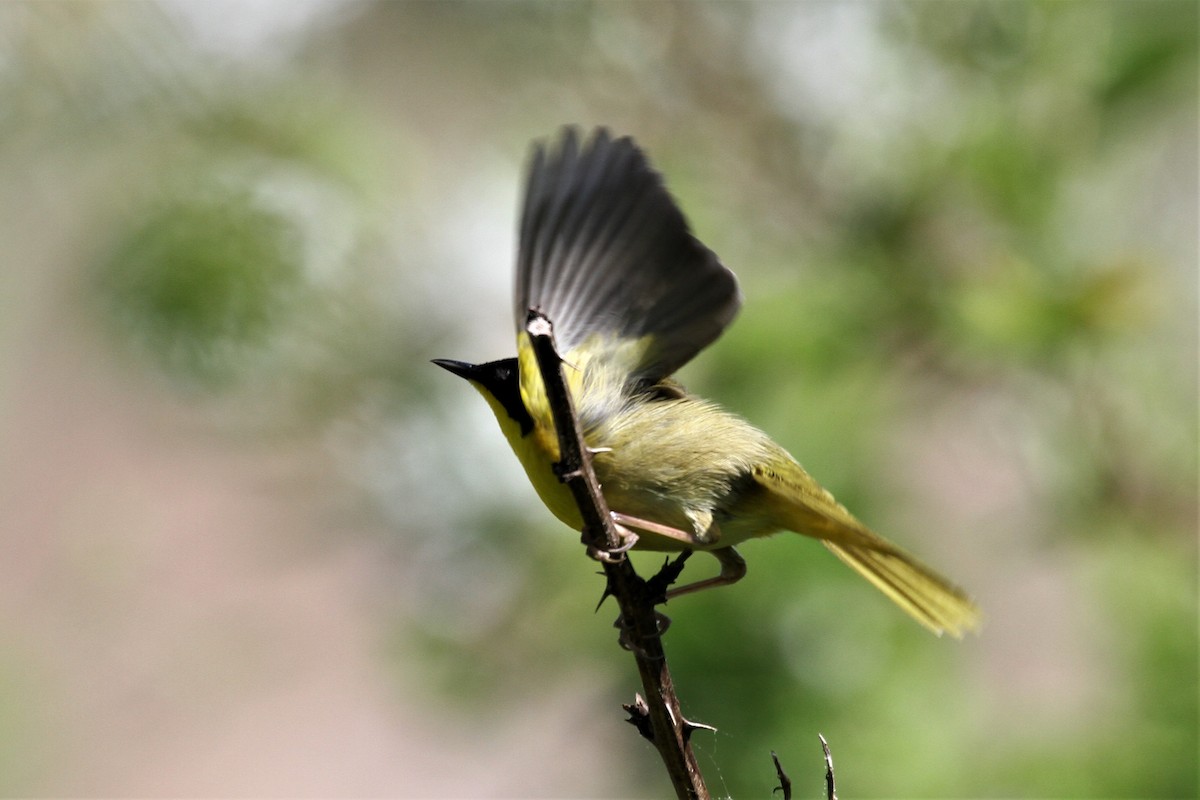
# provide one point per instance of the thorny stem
(667, 728)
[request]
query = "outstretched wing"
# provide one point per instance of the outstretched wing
(607, 255)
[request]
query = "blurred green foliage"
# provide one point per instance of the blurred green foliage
(967, 237)
(201, 279)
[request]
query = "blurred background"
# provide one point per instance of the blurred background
(253, 543)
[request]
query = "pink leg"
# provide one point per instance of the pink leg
(733, 569)
(624, 520)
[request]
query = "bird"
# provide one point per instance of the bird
(605, 253)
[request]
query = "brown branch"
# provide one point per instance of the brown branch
(658, 715)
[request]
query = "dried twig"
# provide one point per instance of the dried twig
(785, 783)
(830, 786)
(658, 715)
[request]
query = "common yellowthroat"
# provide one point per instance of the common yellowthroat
(608, 257)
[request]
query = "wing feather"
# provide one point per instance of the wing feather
(605, 252)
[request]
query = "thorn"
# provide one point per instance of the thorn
(670, 712)
(564, 475)
(607, 593)
(689, 727)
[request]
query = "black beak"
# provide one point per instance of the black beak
(460, 368)
(497, 379)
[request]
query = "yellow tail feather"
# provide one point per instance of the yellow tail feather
(795, 501)
(930, 599)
